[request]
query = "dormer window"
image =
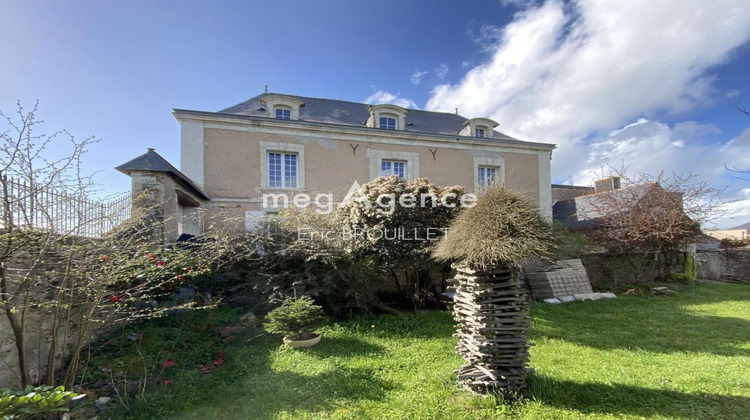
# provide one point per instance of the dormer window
(281, 107)
(478, 127)
(387, 123)
(283, 112)
(387, 117)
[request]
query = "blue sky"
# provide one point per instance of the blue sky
(649, 83)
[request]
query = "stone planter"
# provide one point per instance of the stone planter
(308, 342)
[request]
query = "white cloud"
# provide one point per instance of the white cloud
(487, 37)
(417, 76)
(737, 213)
(567, 73)
(688, 130)
(649, 146)
(442, 70)
(383, 97)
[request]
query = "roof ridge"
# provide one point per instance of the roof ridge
(353, 102)
(617, 189)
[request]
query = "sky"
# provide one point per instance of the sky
(649, 84)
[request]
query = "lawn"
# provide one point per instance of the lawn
(683, 356)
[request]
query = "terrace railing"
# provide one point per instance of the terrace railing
(32, 206)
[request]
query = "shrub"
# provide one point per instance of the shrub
(568, 244)
(689, 276)
(34, 402)
(403, 259)
(502, 229)
(296, 318)
(690, 269)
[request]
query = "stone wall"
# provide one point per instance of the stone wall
(617, 271)
(730, 265)
(174, 208)
(37, 321)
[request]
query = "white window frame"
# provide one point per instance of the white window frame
(283, 148)
(388, 118)
(495, 170)
(496, 162)
(282, 108)
(411, 162)
(283, 168)
(477, 132)
(393, 162)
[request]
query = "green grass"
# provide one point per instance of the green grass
(685, 356)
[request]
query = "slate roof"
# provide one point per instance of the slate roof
(745, 226)
(152, 161)
(583, 210)
(335, 111)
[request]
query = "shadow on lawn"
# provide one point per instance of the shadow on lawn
(252, 385)
(631, 400)
(651, 324)
(344, 346)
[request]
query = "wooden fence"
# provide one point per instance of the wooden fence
(32, 206)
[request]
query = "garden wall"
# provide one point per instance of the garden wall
(616, 271)
(730, 265)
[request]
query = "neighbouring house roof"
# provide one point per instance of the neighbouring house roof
(335, 111)
(583, 210)
(745, 226)
(152, 161)
(705, 242)
(562, 192)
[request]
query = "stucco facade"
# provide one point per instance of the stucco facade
(225, 155)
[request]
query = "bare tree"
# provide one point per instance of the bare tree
(652, 214)
(735, 169)
(60, 288)
(742, 110)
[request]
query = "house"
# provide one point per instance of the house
(635, 217)
(737, 233)
(279, 143)
(562, 192)
(608, 199)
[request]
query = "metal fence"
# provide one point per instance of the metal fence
(32, 206)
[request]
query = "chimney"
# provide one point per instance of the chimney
(607, 184)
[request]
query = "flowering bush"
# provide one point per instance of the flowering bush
(151, 274)
(402, 239)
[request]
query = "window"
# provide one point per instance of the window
(283, 113)
(282, 170)
(479, 132)
(387, 123)
(487, 176)
(390, 162)
(392, 167)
